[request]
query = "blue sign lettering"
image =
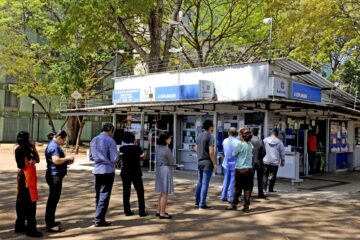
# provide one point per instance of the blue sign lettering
(126, 95)
(306, 92)
(182, 92)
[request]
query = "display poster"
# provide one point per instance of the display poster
(338, 136)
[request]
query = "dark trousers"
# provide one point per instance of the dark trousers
(127, 179)
(243, 181)
(259, 168)
(103, 188)
(311, 160)
(55, 187)
(25, 208)
(270, 172)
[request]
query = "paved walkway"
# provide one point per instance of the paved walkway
(325, 206)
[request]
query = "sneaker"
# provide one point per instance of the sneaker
(158, 214)
(129, 214)
(196, 205)
(231, 207)
(246, 210)
(204, 207)
(262, 196)
(272, 190)
(103, 224)
(144, 214)
(166, 216)
(55, 229)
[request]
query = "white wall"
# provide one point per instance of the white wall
(236, 82)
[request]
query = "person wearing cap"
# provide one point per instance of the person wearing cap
(26, 157)
(57, 164)
(243, 172)
(103, 153)
(228, 164)
(275, 156)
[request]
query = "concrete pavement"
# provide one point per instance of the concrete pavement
(324, 206)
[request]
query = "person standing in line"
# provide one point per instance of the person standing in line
(57, 164)
(104, 154)
(312, 148)
(241, 131)
(275, 156)
(165, 163)
(131, 155)
(206, 163)
(26, 157)
(228, 164)
(243, 172)
(258, 164)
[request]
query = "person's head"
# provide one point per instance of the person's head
(232, 131)
(247, 135)
(275, 132)
(23, 138)
(164, 139)
(60, 137)
(241, 132)
(108, 128)
(128, 138)
(255, 132)
(208, 125)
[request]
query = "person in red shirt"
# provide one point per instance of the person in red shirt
(312, 148)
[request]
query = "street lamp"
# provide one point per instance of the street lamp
(269, 21)
(33, 102)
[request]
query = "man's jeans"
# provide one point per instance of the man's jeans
(103, 187)
(202, 187)
(228, 182)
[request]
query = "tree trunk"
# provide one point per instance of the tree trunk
(81, 121)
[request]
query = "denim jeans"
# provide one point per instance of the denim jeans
(229, 180)
(103, 187)
(202, 187)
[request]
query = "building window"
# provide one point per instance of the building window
(11, 99)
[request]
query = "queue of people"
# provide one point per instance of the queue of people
(243, 156)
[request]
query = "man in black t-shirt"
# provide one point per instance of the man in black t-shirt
(131, 173)
(206, 163)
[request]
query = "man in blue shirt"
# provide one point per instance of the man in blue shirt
(228, 164)
(104, 153)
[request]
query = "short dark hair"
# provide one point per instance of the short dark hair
(207, 124)
(129, 137)
(23, 138)
(275, 132)
(255, 131)
(107, 127)
(162, 138)
(60, 133)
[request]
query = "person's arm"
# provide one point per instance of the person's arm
(113, 154)
(212, 156)
(282, 155)
(36, 157)
(58, 161)
(55, 157)
(141, 154)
